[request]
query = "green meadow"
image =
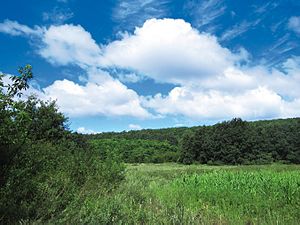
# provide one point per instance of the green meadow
(199, 194)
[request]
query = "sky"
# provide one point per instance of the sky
(138, 64)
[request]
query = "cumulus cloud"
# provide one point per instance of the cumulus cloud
(212, 81)
(69, 44)
(251, 92)
(256, 103)
(33, 88)
(108, 98)
(166, 50)
(101, 94)
(285, 82)
(59, 44)
(169, 50)
(294, 24)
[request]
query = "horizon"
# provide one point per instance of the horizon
(124, 65)
(162, 128)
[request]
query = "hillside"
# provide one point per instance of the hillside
(228, 142)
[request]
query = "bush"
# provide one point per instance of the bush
(45, 168)
(46, 178)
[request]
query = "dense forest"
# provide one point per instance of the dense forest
(137, 151)
(171, 135)
(229, 142)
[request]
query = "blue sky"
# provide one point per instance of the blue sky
(132, 64)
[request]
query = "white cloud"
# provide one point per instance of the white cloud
(256, 103)
(171, 51)
(251, 92)
(110, 98)
(134, 127)
(285, 83)
(238, 29)
(212, 84)
(101, 95)
(59, 44)
(33, 88)
(16, 29)
(83, 130)
(179, 125)
(266, 7)
(212, 81)
(166, 50)
(132, 13)
(69, 44)
(294, 24)
(274, 53)
(58, 15)
(205, 12)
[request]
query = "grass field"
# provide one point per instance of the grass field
(195, 194)
(198, 194)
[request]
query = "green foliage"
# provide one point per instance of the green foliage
(12, 115)
(170, 135)
(240, 142)
(229, 142)
(193, 194)
(46, 122)
(187, 156)
(45, 169)
(25, 120)
(46, 179)
(136, 151)
(52, 176)
(234, 197)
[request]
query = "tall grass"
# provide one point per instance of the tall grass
(195, 194)
(234, 197)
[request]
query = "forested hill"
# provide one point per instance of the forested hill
(173, 135)
(229, 142)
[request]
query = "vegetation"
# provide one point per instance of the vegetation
(45, 169)
(229, 142)
(200, 194)
(137, 151)
(240, 142)
(170, 135)
(192, 194)
(50, 175)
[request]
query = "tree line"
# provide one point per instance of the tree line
(241, 142)
(229, 142)
(170, 135)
